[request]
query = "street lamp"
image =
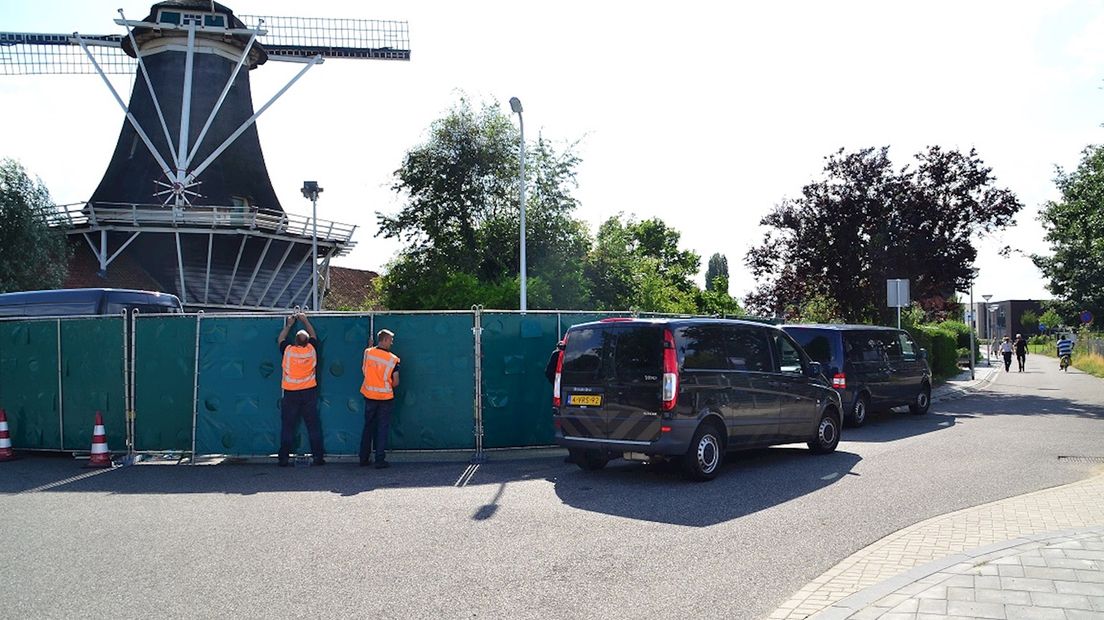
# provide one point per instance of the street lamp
(973, 322)
(515, 105)
(988, 333)
(311, 191)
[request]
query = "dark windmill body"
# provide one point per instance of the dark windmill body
(187, 195)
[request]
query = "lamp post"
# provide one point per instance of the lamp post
(988, 333)
(973, 322)
(311, 191)
(515, 105)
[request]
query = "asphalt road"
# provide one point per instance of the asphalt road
(525, 538)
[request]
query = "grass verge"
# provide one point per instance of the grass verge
(1092, 363)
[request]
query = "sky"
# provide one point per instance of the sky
(704, 114)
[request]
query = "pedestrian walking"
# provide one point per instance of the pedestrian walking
(300, 400)
(1006, 352)
(1020, 347)
(381, 377)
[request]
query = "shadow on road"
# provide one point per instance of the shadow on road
(1047, 402)
(750, 481)
(42, 474)
(891, 426)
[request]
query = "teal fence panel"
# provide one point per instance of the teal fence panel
(164, 350)
(29, 383)
(435, 400)
(517, 397)
(239, 383)
(92, 380)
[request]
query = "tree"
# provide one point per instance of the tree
(1050, 319)
(718, 268)
(1075, 231)
(33, 255)
(865, 222)
(1030, 322)
(638, 264)
(460, 221)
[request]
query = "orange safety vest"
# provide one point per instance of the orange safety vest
(378, 367)
(299, 364)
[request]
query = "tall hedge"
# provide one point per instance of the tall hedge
(942, 346)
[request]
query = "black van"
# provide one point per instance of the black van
(653, 389)
(86, 302)
(873, 368)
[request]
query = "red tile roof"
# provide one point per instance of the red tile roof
(351, 289)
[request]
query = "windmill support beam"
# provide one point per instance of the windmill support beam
(207, 279)
(186, 106)
(275, 273)
(234, 274)
(101, 254)
(130, 117)
(249, 122)
(260, 261)
(153, 93)
(294, 275)
(180, 266)
(220, 101)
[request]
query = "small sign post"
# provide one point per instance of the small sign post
(897, 296)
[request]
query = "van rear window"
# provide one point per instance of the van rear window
(623, 353)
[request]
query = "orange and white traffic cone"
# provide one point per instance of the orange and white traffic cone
(6, 453)
(101, 456)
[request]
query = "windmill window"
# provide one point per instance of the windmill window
(169, 17)
(214, 21)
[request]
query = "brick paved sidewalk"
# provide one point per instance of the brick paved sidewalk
(899, 559)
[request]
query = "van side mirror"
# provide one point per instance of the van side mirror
(923, 354)
(813, 370)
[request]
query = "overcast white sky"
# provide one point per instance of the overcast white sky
(705, 114)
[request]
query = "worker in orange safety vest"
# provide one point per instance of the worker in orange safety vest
(300, 385)
(381, 377)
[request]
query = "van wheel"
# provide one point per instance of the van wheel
(590, 460)
(922, 402)
(859, 411)
(703, 459)
(827, 435)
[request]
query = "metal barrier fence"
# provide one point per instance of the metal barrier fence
(210, 384)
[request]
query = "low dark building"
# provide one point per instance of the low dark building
(1002, 318)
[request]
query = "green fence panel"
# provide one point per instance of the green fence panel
(517, 398)
(435, 400)
(164, 350)
(92, 380)
(239, 386)
(29, 383)
(239, 383)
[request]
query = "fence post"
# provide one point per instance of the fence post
(128, 377)
(195, 386)
(477, 334)
(61, 393)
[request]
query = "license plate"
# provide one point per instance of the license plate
(585, 400)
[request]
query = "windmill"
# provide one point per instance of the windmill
(187, 195)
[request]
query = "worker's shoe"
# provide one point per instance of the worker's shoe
(382, 464)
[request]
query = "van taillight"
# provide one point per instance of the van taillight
(839, 381)
(670, 371)
(559, 373)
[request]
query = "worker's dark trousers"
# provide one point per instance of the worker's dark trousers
(377, 425)
(300, 404)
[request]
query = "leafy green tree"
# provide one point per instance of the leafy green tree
(717, 268)
(717, 301)
(1074, 228)
(460, 222)
(33, 255)
(865, 222)
(1051, 319)
(638, 264)
(820, 309)
(1030, 322)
